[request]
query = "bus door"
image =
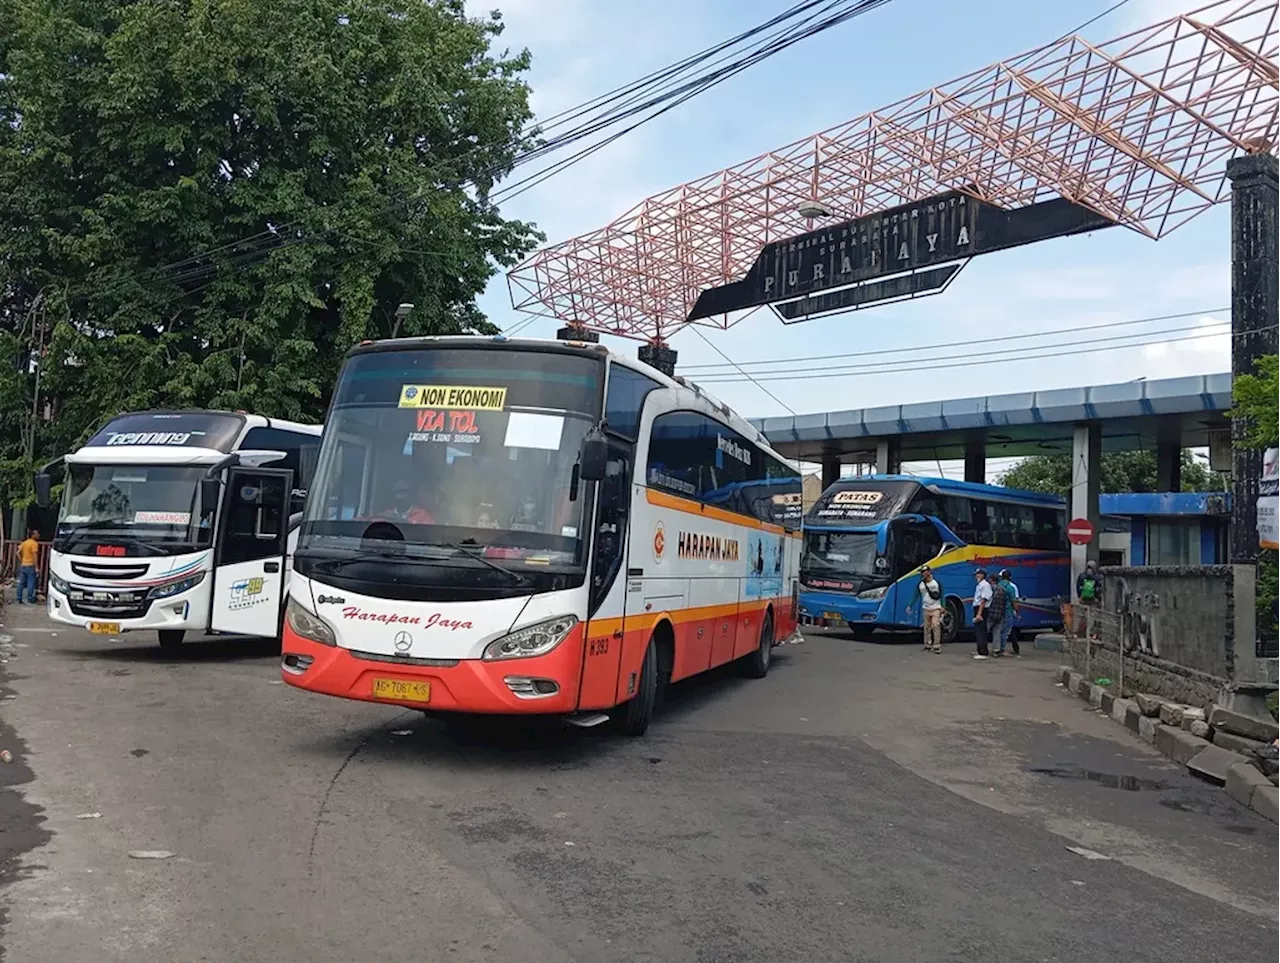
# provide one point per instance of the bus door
(913, 541)
(249, 554)
(608, 584)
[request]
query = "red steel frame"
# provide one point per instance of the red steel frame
(1139, 129)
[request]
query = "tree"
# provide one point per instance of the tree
(1121, 471)
(210, 201)
(1255, 397)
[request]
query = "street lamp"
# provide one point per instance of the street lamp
(402, 312)
(814, 209)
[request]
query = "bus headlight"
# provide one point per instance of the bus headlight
(170, 589)
(875, 593)
(537, 639)
(58, 585)
(309, 626)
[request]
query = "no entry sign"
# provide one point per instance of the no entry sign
(1080, 531)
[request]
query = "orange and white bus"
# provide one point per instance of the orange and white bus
(535, 527)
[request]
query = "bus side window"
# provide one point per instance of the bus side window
(624, 399)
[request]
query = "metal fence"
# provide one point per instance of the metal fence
(1097, 637)
(9, 564)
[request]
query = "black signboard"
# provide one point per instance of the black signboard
(935, 231)
(915, 284)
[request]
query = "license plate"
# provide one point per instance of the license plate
(833, 615)
(104, 628)
(401, 691)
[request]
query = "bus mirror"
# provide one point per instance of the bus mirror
(593, 461)
(44, 489)
(210, 491)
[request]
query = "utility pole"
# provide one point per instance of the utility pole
(36, 321)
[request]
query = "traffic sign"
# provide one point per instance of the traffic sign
(1080, 531)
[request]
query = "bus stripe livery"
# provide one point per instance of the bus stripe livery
(606, 531)
(866, 540)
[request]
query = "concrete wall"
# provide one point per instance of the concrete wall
(1177, 614)
(1164, 630)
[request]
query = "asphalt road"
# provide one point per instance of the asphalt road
(863, 803)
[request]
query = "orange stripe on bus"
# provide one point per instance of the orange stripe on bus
(687, 505)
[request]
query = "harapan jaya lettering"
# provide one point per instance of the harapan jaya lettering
(461, 397)
(433, 621)
(710, 548)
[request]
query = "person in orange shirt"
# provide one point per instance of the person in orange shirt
(28, 557)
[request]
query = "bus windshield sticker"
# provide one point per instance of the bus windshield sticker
(462, 397)
(526, 429)
(162, 518)
(455, 427)
(856, 498)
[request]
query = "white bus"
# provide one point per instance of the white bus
(532, 527)
(179, 520)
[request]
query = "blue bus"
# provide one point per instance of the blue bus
(865, 540)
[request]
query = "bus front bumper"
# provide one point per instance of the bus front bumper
(539, 685)
(185, 611)
(827, 609)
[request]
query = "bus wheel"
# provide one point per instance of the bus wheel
(171, 638)
(756, 665)
(635, 715)
(952, 619)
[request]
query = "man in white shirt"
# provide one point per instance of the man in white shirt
(931, 610)
(981, 602)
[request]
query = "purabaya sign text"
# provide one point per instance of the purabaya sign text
(866, 252)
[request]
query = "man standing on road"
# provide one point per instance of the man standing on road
(1010, 613)
(994, 616)
(28, 558)
(981, 604)
(1089, 584)
(931, 610)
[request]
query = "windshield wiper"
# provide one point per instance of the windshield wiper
(331, 565)
(465, 549)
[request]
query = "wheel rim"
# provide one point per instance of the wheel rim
(948, 626)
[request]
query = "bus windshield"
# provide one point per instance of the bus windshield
(842, 561)
(456, 448)
(149, 504)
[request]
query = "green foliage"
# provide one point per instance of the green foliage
(1255, 396)
(1122, 471)
(353, 142)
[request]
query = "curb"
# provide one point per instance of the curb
(1212, 763)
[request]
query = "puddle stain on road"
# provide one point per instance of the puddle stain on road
(1106, 779)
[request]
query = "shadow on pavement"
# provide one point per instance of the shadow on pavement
(198, 650)
(518, 743)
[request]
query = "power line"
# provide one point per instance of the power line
(747, 376)
(986, 359)
(1075, 329)
(277, 237)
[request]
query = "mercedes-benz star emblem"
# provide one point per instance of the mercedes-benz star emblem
(403, 641)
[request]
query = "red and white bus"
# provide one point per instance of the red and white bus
(530, 527)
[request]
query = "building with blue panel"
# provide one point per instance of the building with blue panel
(1165, 528)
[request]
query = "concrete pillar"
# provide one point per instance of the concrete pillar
(1168, 466)
(830, 470)
(1086, 480)
(1254, 309)
(888, 456)
(975, 459)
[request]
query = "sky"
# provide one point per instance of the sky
(582, 48)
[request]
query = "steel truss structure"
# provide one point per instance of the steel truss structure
(1138, 129)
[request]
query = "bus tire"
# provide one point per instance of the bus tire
(756, 665)
(636, 715)
(952, 620)
(171, 638)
